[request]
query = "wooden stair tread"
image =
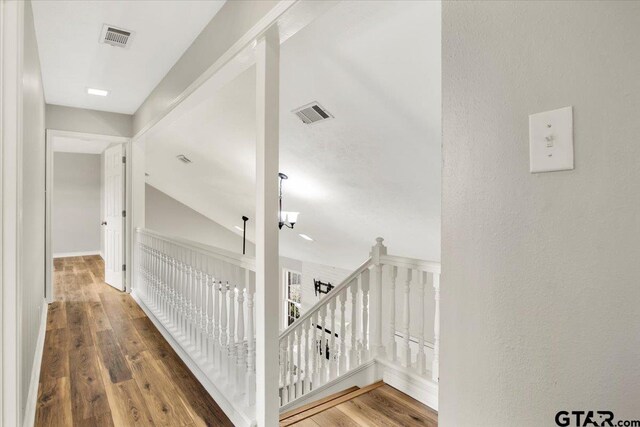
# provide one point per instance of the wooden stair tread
(315, 403)
(316, 409)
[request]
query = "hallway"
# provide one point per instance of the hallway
(105, 364)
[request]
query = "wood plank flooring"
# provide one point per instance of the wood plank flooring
(105, 363)
(373, 406)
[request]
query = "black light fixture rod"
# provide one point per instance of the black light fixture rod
(244, 234)
(280, 221)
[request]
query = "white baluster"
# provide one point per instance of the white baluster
(353, 353)
(364, 286)
(342, 363)
(240, 347)
(223, 329)
(231, 368)
(251, 361)
(323, 345)
(333, 369)
(291, 392)
(314, 351)
(392, 315)
(217, 297)
(435, 369)
(209, 319)
(420, 358)
(284, 353)
(406, 323)
(299, 383)
(307, 365)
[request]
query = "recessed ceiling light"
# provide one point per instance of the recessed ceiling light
(237, 227)
(305, 237)
(99, 92)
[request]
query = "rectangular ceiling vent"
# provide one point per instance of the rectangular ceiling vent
(312, 113)
(183, 158)
(115, 36)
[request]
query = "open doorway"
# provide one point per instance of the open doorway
(85, 206)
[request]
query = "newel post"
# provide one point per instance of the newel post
(376, 300)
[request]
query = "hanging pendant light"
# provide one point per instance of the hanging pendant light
(287, 219)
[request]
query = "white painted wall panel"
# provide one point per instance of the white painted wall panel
(540, 272)
(76, 203)
(32, 230)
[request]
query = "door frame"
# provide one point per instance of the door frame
(50, 135)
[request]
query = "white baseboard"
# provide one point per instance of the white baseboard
(32, 397)
(70, 254)
(237, 417)
(420, 388)
(361, 376)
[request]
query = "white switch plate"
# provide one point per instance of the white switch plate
(551, 140)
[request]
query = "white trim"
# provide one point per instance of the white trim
(32, 398)
(360, 376)
(49, 255)
(420, 388)
(70, 254)
(260, 27)
(238, 418)
(12, 28)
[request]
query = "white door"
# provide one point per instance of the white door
(113, 223)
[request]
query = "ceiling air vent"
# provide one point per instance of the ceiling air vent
(183, 158)
(115, 36)
(312, 113)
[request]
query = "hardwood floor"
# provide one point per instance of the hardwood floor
(376, 405)
(105, 363)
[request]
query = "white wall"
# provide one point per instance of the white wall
(77, 202)
(31, 282)
(540, 284)
(88, 121)
(166, 215)
(233, 20)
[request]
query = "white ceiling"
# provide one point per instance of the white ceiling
(65, 144)
(372, 171)
(72, 59)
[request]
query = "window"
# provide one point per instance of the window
(292, 296)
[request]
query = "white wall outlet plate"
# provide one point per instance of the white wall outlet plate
(551, 140)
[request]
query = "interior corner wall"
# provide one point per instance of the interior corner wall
(233, 20)
(540, 282)
(31, 235)
(76, 215)
(88, 121)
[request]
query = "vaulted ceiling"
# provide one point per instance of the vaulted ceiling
(73, 60)
(372, 171)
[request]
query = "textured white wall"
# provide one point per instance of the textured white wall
(88, 121)
(166, 215)
(32, 235)
(233, 20)
(540, 295)
(75, 220)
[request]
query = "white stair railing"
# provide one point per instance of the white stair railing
(203, 297)
(334, 336)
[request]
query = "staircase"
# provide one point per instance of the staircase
(380, 323)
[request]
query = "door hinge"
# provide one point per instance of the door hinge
(124, 267)
(124, 159)
(124, 213)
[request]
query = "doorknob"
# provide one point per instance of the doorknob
(104, 223)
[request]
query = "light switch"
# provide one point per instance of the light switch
(551, 140)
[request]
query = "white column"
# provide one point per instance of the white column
(267, 259)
